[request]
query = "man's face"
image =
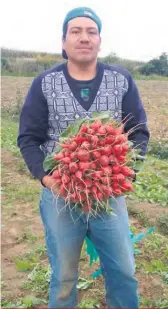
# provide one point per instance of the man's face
(82, 42)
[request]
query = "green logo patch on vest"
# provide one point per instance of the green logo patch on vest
(85, 94)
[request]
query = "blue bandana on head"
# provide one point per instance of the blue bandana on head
(80, 12)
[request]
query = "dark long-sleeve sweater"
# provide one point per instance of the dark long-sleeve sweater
(55, 100)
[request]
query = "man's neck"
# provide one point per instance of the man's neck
(82, 72)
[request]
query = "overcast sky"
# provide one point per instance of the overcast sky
(134, 29)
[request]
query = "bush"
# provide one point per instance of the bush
(159, 148)
(156, 66)
(162, 222)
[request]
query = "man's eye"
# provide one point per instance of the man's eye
(92, 32)
(75, 31)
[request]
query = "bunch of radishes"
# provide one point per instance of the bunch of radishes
(93, 165)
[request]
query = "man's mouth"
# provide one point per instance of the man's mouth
(84, 48)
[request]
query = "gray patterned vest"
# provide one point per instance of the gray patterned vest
(64, 108)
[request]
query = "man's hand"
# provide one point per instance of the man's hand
(50, 183)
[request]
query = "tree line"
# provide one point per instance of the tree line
(31, 63)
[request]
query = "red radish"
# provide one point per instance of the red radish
(101, 130)
(96, 125)
(73, 146)
(120, 138)
(80, 139)
(96, 154)
(107, 150)
(91, 131)
(82, 197)
(118, 177)
(105, 180)
(58, 181)
(67, 154)
(78, 174)
(88, 182)
(104, 160)
(84, 128)
(65, 146)
(83, 155)
(100, 195)
(97, 174)
(112, 159)
(63, 190)
(117, 149)
(81, 186)
(86, 145)
(73, 156)
(94, 139)
(58, 156)
(116, 169)
(56, 174)
(117, 191)
(73, 167)
(109, 191)
(109, 129)
(110, 140)
(83, 166)
(74, 196)
(121, 158)
(107, 170)
(65, 179)
(66, 160)
(94, 189)
(102, 142)
(125, 147)
(93, 165)
(126, 171)
(115, 184)
(127, 186)
(120, 129)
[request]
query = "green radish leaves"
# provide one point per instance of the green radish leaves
(71, 130)
(75, 127)
(84, 284)
(49, 163)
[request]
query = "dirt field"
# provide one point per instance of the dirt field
(23, 246)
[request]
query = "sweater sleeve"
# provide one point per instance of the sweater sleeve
(132, 109)
(33, 127)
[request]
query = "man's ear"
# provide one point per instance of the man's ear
(63, 42)
(100, 44)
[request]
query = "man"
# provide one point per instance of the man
(56, 98)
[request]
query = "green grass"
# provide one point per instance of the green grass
(152, 182)
(162, 222)
(15, 74)
(159, 148)
(138, 76)
(9, 132)
(89, 303)
(28, 301)
(28, 237)
(38, 280)
(154, 255)
(150, 303)
(15, 192)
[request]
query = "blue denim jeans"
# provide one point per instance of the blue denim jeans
(65, 232)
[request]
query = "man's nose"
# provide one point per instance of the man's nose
(84, 37)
